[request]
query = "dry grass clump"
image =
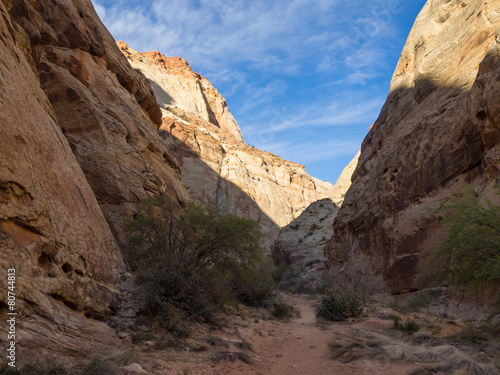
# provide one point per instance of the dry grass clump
(97, 366)
(225, 355)
(374, 345)
(442, 359)
(459, 364)
(244, 345)
(217, 341)
(127, 357)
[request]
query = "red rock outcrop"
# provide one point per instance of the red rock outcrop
(105, 108)
(438, 130)
(176, 85)
(52, 231)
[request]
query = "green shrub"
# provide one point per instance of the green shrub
(470, 255)
(195, 259)
(338, 305)
(410, 326)
(255, 287)
(283, 310)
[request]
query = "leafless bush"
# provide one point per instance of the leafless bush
(358, 272)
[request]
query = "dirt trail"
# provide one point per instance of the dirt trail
(284, 348)
(298, 347)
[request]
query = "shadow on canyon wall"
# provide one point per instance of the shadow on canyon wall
(426, 144)
(161, 94)
(205, 184)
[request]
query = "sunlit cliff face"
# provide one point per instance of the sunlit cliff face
(436, 133)
(217, 165)
(447, 43)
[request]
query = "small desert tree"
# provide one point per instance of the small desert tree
(193, 258)
(470, 255)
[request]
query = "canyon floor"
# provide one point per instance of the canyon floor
(366, 345)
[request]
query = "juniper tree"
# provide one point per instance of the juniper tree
(195, 258)
(470, 255)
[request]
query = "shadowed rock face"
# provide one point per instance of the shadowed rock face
(301, 242)
(437, 131)
(106, 109)
(52, 231)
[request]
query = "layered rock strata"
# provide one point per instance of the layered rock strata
(217, 166)
(177, 86)
(52, 231)
(107, 110)
(438, 130)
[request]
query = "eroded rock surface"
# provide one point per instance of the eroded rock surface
(437, 131)
(177, 86)
(52, 231)
(107, 110)
(217, 166)
(301, 242)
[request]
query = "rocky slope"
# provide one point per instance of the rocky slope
(217, 166)
(438, 130)
(52, 231)
(301, 242)
(105, 108)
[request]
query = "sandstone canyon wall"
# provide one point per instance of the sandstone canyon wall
(80, 147)
(438, 130)
(176, 85)
(83, 139)
(106, 109)
(217, 166)
(52, 231)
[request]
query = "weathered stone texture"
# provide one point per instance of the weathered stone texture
(437, 131)
(52, 231)
(105, 108)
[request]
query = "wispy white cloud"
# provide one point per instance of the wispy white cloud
(337, 113)
(313, 151)
(262, 94)
(276, 35)
(285, 66)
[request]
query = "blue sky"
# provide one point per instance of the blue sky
(305, 79)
